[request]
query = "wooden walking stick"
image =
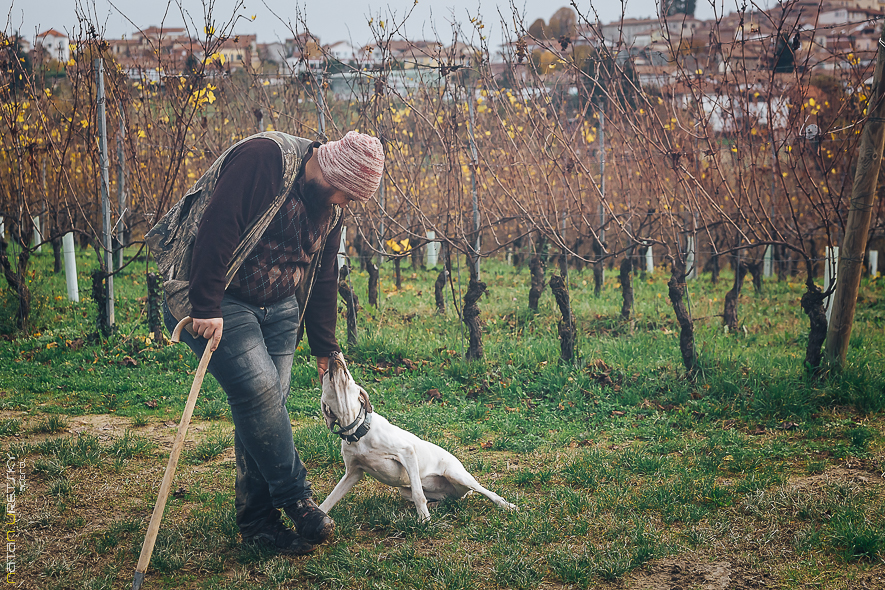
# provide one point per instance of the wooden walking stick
(154, 527)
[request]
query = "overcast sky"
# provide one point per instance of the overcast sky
(330, 20)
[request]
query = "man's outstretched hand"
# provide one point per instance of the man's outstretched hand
(210, 329)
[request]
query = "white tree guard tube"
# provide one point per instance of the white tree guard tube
(71, 267)
(431, 251)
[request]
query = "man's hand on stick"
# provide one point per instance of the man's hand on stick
(210, 329)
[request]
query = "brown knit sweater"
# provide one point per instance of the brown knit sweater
(248, 182)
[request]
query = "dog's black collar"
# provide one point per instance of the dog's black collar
(361, 430)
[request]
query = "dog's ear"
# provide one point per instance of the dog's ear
(364, 396)
(328, 416)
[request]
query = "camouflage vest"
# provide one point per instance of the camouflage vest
(171, 240)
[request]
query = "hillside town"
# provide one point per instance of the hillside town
(803, 34)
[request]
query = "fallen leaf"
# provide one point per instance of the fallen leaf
(599, 365)
(152, 403)
(433, 395)
(486, 445)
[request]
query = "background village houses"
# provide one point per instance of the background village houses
(660, 53)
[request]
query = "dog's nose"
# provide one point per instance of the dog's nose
(337, 361)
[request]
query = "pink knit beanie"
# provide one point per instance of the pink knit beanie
(353, 164)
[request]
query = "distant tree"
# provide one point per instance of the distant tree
(606, 79)
(562, 24)
(580, 55)
(507, 79)
(334, 66)
(15, 61)
(783, 60)
(192, 64)
(685, 7)
(544, 61)
(538, 30)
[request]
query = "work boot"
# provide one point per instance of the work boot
(278, 537)
(311, 522)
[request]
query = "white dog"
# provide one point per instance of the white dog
(421, 470)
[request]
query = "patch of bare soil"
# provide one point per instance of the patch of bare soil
(856, 474)
(688, 573)
(109, 426)
(54, 538)
(870, 581)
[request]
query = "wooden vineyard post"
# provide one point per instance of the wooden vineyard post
(108, 254)
(857, 228)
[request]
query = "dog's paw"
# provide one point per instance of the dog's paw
(509, 506)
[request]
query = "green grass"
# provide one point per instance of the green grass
(49, 425)
(210, 447)
(615, 461)
(9, 427)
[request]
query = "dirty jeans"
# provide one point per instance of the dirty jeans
(253, 365)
